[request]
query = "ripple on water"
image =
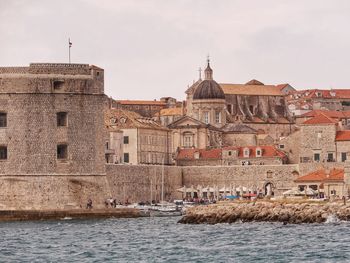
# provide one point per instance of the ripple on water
(163, 240)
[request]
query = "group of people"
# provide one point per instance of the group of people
(111, 202)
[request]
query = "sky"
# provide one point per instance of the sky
(154, 48)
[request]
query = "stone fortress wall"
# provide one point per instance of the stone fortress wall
(134, 181)
(32, 176)
(31, 97)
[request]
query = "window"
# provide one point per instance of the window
(62, 151)
(126, 139)
(316, 157)
(281, 146)
(58, 84)
(188, 140)
(246, 152)
(229, 153)
(206, 117)
(251, 109)
(218, 117)
(258, 152)
(343, 157)
(330, 157)
(229, 108)
(3, 119)
(62, 119)
(269, 174)
(126, 157)
(107, 145)
(333, 192)
(3, 152)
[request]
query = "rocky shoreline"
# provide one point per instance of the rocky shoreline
(267, 211)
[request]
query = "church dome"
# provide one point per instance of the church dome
(208, 88)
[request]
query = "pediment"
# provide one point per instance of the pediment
(186, 121)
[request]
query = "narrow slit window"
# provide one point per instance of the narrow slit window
(62, 119)
(3, 153)
(62, 151)
(3, 119)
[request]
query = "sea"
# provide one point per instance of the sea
(162, 239)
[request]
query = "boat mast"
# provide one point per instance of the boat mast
(163, 181)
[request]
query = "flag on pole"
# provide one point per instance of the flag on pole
(70, 43)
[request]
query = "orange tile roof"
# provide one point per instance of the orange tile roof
(321, 176)
(329, 113)
(123, 119)
(320, 119)
(203, 153)
(141, 102)
(343, 135)
(326, 94)
(171, 111)
(268, 151)
(244, 89)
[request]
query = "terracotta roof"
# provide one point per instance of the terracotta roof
(203, 154)
(244, 89)
(343, 135)
(326, 94)
(320, 119)
(321, 176)
(282, 86)
(141, 102)
(330, 113)
(254, 82)
(238, 128)
(268, 151)
(171, 111)
(123, 119)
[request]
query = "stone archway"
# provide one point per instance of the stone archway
(269, 189)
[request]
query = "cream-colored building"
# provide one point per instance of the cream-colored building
(191, 133)
(326, 182)
(114, 148)
(144, 140)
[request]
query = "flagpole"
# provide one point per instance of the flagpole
(69, 46)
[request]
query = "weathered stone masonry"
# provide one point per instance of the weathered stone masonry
(32, 175)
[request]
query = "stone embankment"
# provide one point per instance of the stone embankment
(21, 215)
(267, 211)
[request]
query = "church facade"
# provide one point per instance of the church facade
(232, 114)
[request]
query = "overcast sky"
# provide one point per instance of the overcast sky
(151, 49)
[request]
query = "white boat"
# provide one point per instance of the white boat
(165, 210)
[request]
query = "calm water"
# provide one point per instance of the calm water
(163, 240)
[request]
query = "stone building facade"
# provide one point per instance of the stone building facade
(318, 99)
(261, 107)
(247, 155)
(144, 140)
(51, 119)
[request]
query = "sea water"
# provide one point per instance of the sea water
(164, 240)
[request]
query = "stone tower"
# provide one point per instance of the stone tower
(51, 120)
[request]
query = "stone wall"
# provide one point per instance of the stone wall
(143, 182)
(280, 176)
(52, 192)
(133, 182)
